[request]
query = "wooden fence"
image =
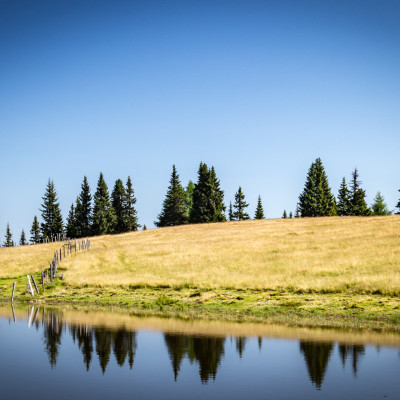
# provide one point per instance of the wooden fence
(51, 273)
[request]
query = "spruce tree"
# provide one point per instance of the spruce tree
(144, 227)
(216, 199)
(316, 200)
(83, 210)
(379, 207)
(284, 215)
(358, 204)
(22, 240)
(259, 210)
(174, 210)
(297, 213)
(35, 231)
(103, 220)
(208, 197)
(8, 242)
(290, 215)
(344, 200)
(230, 216)
(240, 206)
(130, 213)
(398, 206)
(189, 196)
(118, 197)
(70, 228)
(51, 213)
(201, 209)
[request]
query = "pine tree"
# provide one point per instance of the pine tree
(398, 206)
(316, 200)
(379, 207)
(144, 227)
(35, 231)
(344, 200)
(358, 204)
(22, 240)
(259, 210)
(230, 216)
(290, 215)
(174, 210)
(51, 213)
(239, 206)
(70, 228)
(297, 213)
(130, 213)
(118, 197)
(189, 196)
(83, 210)
(103, 220)
(216, 198)
(284, 215)
(208, 198)
(8, 242)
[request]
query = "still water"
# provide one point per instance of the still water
(56, 353)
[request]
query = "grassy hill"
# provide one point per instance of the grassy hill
(292, 258)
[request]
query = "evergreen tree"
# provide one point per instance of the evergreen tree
(118, 197)
(70, 229)
(239, 206)
(35, 231)
(200, 211)
(8, 242)
(398, 206)
(344, 200)
(259, 210)
(379, 207)
(22, 240)
(216, 198)
(230, 211)
(189, 196)
(316, 200)
(103, 213)
(83, 210)
(358, 205)
(284, 215)
(297, 214)
(290, 215)
(51, 212)
(145, 227)
(208, 198)
(130, 214)
(174, 210)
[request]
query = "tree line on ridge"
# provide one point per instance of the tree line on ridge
(200, 202)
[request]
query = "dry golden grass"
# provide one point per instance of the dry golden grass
(22, 260)
(332, 254)
(353, 254)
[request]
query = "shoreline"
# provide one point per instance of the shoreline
(374, 312)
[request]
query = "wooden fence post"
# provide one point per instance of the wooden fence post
(43, 281)
(33, 280)
(12, 296)
(30, 285)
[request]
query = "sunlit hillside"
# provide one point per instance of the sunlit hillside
(324, 254)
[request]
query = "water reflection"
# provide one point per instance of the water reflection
(204, 352)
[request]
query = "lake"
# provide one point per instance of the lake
(49, 353)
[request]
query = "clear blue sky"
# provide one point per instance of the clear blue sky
(259, 89)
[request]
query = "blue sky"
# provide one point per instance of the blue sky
(259, 89)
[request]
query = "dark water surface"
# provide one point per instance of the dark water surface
(47, 354)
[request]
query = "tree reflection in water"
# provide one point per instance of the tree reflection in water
(207, 351)
(317, 356)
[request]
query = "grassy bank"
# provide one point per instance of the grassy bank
(337, 272)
